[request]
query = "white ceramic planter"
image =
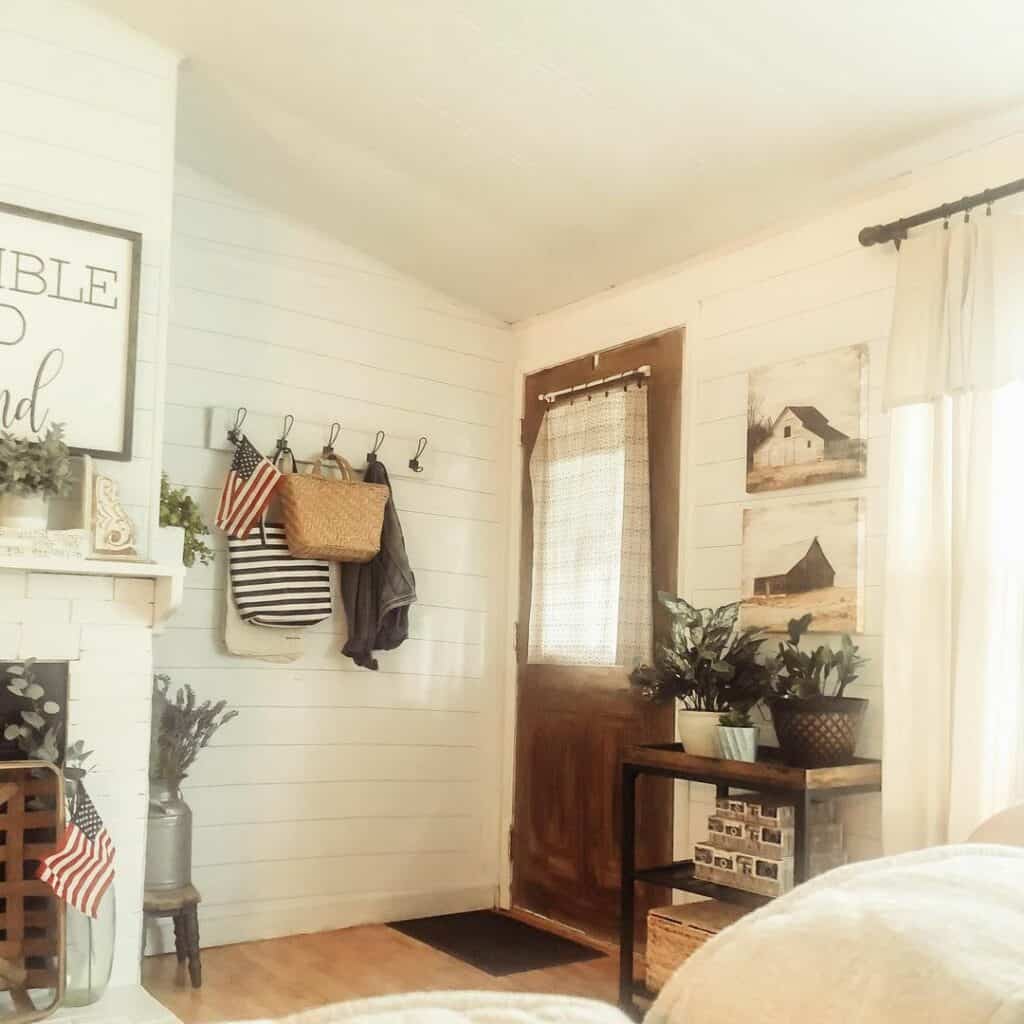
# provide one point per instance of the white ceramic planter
(26, 512)
(697, 731)
(169, 545)
(737, 744)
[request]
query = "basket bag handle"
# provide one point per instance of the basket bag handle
(343, 465)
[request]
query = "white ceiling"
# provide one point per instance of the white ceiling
(521, 154)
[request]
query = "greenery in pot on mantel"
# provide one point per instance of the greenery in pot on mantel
(182, 727)
(816, 723)
(32, 470)
(709, 665)
(178, 509)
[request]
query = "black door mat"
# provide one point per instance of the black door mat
(495, 943)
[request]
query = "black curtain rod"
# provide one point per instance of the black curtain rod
(897, 230)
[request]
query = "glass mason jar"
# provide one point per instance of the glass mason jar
(90, 952)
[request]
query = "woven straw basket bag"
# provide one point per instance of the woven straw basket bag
(339, 520)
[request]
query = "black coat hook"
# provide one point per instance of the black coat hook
(282, 441)
(235, 433)
(335, 431)
(371, 455)
(414, 462)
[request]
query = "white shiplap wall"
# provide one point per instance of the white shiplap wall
(88, 131)
(795, 292)
(341, 795)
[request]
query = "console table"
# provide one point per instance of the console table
(767, 776)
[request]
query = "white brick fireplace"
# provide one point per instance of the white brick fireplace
(99, 617)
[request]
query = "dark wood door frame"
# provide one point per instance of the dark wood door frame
(622, 719)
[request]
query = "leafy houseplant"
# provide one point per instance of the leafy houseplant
(182, 727)
(179, 513)
(709, 665)
(32, 470)
(816, 723)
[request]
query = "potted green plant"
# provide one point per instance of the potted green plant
(182, 727)
(32, 470)
(708, 664)
(816, 723)
(178, 540)
(737, 735)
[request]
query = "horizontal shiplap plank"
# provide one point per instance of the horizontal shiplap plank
(365, 761)
(289, 686)
(328, 876)
(200, 648)
(319, 400)
(277, 801)
(275, 841)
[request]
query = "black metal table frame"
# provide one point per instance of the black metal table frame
(672, 875)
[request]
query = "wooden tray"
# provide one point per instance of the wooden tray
(32, 939)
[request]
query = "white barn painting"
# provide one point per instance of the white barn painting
(804, 557)
(807, 420)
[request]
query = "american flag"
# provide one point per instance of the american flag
(82, 868)
(247, 490)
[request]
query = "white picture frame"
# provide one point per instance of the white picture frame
(69, 312)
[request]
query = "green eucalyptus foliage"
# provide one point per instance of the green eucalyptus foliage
(179, 508)
(804, 675)
(35, 725)
(35, 465)
(182, 727)
(708, 662)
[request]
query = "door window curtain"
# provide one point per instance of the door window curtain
(591, 587)
(954, 580)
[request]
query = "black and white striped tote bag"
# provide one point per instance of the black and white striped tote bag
(273, 589)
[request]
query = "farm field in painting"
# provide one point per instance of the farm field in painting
(804, 557)
(807, 420)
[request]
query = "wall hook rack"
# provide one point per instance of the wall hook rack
(328, 448)
(235, 433)
(371, 455)
(414, 462)
(282, 441)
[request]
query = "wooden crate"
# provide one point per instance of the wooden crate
(676, 932)
(32, 945)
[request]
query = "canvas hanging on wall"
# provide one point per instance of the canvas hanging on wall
(801, 557)
(68, 320)
(807, 420)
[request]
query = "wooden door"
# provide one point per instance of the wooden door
(573, 723)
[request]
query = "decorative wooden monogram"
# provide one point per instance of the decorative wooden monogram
(68, 320)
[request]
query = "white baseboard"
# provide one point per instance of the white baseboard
(223, 925)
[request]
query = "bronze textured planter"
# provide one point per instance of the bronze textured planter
(820, 732)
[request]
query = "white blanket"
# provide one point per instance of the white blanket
(931, 937)
(462, 1008)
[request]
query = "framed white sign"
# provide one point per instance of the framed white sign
(69, 304)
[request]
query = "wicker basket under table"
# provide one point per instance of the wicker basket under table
(677, 932)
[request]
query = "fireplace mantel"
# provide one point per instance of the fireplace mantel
(169, 580)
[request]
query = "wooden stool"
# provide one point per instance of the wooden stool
(182, 906)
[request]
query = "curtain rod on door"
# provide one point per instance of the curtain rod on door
(640, 371)
(896, 230)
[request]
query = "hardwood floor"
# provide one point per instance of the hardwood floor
(282, 976)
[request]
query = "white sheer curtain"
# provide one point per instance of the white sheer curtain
(592, 600)
(954, 583)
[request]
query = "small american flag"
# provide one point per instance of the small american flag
(82, 868)
(247, 490)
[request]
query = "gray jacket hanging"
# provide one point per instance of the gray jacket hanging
(377, 594)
